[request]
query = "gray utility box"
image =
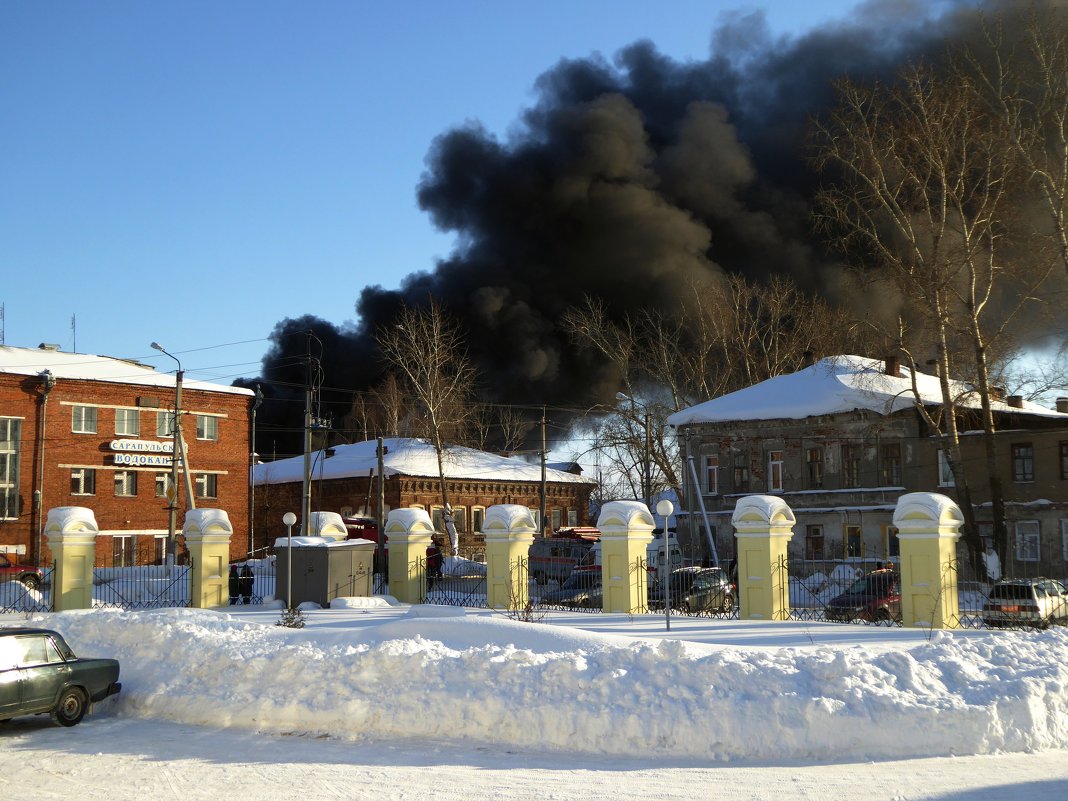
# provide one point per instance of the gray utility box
(325, 571)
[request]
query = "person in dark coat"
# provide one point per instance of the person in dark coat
(434, 562)
(246, 584)
(235, 584)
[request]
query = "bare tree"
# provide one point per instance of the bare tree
(426, 349)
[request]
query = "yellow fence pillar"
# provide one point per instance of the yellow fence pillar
(626, 531)
(928, 527)
(763, 527)
(71, 532)
(408, 534)
(207, 534)
(509, 530)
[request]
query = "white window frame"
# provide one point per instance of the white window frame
(1027, 542)
(478, 519)
(162, 482)
(207, 485)
(775, 471)
(125, 484)
(83, 419)
(81, 476)
(208, 427)
(10, 447)
(572, 517)
(945, 475)
(164, 424)
(712, 475)
(128, 416)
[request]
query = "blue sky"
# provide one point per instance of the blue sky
(192, 173)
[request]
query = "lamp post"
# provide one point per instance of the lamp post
(172, 493)
(289, 519)
(664, 508)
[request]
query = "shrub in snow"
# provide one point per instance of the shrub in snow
(291, 619)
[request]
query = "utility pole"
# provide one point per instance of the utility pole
(380, 520)
(305, 503)
(544, 453)
(648, 488)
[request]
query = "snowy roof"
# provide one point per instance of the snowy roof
(87, 367)
(834, 385)
(408, 457)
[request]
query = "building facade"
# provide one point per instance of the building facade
(98, 432)
(344, 480)
(842, 440)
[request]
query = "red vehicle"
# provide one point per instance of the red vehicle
(31, 577)
(361, 528)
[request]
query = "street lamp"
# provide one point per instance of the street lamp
(176, 449)
(289, 519)
(664, 508)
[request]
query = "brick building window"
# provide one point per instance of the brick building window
(207, 427)
(1023, 462)
(83, 419)
(1027, 541)
(890, 464)
(478, 514)
(122, 551)
(163, 481)
(10, 446)
(572, 517)
(712, 475)
(127, 422)
(558, 518)
(459, 517)
(945, 475)
(814, 542)
(741, 478)
(854, 541)
(1064, 460)
(814, 467)
(164, 424)
(207, 485)
(851, 465)
(83, 481)
(775, 473)
(125, 483)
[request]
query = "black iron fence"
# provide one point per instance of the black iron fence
(141, 587)
(28, 595)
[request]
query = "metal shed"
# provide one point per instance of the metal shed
(326, 570)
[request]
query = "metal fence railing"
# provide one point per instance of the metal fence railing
(141, 587)
(27, 596)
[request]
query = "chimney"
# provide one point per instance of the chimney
(1062, 405)
(1015, 401)
(893, 366)
(997, 393)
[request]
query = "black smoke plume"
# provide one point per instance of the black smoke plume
(624, 180)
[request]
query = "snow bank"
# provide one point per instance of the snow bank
(496, 681)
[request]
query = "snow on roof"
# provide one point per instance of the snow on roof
(834, 385)
(408, 457)
(87, 367)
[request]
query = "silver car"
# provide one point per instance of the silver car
(1037, 602)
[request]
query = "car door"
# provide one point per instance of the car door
(10, 679)
(43, 669)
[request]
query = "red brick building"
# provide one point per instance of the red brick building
(344, 480)
(94, 431)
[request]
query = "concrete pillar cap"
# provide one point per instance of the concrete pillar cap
(327, 524)
(756, 512)
(409, 521)
(207, 521)
(71, 520)
(619, 516)
(508, 518)
(925, 511)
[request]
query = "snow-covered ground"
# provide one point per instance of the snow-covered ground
(372, 700)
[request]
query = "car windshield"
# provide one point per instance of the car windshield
(871, 584)
(1012, 592)
(582, 580)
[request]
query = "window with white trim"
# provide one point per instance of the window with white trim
(1027, 540)
(1023, 462)
(775, 464)
(163, 482)
(478, 515)
(164, 424)
(207, 485)
(83, 419)
(82, 481)
(572, 517)
(10, 446)
(945, 475)
(207, 427)
(459, 517)
(125, 483)
(127, 422)
(712, 475)
(437, 515)
(557, 518)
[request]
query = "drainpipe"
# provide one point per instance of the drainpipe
(47, 382)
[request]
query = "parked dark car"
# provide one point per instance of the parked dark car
(1037, 602)
(582, 589)
(31, 577)
(875, 598)
(40, 674)
(697, 589)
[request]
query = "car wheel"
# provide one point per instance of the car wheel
(71, 707)
(30, 582)
(881, 616)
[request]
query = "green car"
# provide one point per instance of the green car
(40, 674)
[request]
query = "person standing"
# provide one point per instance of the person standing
(235, 584)
(434, 561)
(246, 581)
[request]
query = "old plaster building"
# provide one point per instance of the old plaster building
(841, 441)
(94, 431)
(344, 480)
